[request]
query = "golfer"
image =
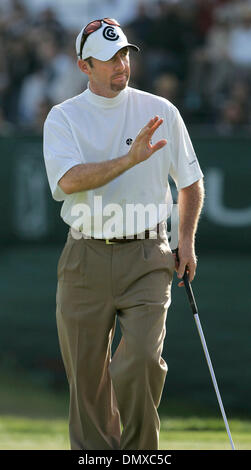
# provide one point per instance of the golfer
(108, 153)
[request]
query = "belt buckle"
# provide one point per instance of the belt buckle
(107, 242)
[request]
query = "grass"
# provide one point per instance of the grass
(203, 434)
(22, 433)
(33, 417)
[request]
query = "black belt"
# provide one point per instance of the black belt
(143, 236)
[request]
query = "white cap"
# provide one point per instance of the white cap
(104, 43)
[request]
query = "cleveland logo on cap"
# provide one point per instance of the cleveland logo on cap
(110, 34)
(103, 41)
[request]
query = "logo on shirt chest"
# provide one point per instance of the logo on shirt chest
(130, 141)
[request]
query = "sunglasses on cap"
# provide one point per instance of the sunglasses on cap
(92, 27)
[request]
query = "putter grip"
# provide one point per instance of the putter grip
(190, 294)
(188, 288)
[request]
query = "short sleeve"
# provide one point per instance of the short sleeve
(184, 169)
(60, 150)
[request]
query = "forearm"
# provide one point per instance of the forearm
(88, 176)
(93, 175)
(190, 206)
(190, 202)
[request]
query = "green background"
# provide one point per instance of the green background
(31, 239)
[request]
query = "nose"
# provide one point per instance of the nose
(120, 64)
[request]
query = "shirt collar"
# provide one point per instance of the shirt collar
(104, 102)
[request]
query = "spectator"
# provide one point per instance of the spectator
(232, 118)
(231, 11)
(168, 86)
(240, 43)
(6, 128)
(19, 64)
(57, 79)
(141, 26)
(4, 78)
(42, 109)
(47, 21)
(209, 68)
(234, 111)
(34, 90)
(70, 81)
(16, 57)
(166, 42)
(240, 92)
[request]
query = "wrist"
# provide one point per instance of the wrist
(129, 160)
(187, 240)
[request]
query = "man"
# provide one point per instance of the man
(107, 150)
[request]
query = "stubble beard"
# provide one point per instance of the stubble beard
(119, 87)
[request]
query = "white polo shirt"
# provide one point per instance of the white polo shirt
(90, 128)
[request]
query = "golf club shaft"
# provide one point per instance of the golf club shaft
(204, 345)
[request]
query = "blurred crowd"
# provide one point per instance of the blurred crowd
(196, 53)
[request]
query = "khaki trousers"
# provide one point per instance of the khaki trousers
(98, 283)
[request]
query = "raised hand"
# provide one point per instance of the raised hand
(141, 148)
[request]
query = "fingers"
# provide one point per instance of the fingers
(190, 278)
(159, 145)
(155, 125)
(142, 148)
(189, 268)
(149, 130)
(152, 121)
(181, 269)
(151, 126)
(190, 271)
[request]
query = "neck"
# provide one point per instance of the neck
(103, 92)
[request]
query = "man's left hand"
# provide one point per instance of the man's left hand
(187, 261)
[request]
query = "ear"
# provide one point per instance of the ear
(84, 66)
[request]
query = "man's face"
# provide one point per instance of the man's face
(109, 78)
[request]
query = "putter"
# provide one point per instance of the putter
(190, 295)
